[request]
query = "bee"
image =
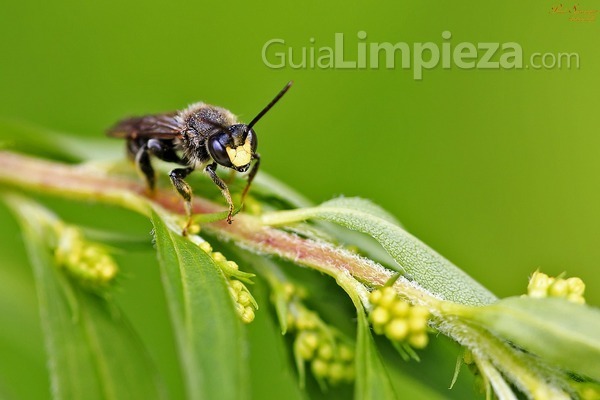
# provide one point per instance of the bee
(201, 136)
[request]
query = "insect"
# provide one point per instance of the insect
(200, 136)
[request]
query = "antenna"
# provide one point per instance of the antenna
(271, 104)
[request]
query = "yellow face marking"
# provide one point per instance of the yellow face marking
(241, 155)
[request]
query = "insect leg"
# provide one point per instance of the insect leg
(165, 151)
(142, 160)
(183, 188)
(177, 178)
(251, 175)
(210, 170)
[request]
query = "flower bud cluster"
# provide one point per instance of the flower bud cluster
(89, 263)
(244, 302)
(329, 354)
(398, 320)
(331, 359)
(588, 390)
(542, 285)
(245, 305)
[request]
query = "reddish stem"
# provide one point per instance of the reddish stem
(75, 181)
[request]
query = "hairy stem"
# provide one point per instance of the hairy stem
(79, 182)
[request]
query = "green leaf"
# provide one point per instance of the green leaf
(267, 186)
(417, 260)
(372, 380)
(92, 351)
(555, 329)
(272, 370)
(363, 206)
(210, 337)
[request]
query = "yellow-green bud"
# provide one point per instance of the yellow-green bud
(418, 340)
(248, 315)
(73, 257)
(218, 257)
(244, 298)
(400, 308)
(85, 261)
(397, 329)
(233, 265)
(346, 353)
(193, 229)
(288, 290)
(311, 339)
(542, 392)
(337, 371)
(306, 345)
(325, 352)
(541, 285)
(388, 296)
(588, 391)
(206, 247)
(236, 285)
(304, 351)
(380, 316)
(576, 286)
(306, 321)
(418, 318)
(538, 284)
(91, 252)
(417, 324)
(108, 270)
(559, 288)
(375, 297)
(319, 368)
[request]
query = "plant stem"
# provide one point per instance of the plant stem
(79, 182)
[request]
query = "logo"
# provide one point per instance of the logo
(574, 12)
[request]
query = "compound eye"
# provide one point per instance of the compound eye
(253, 139)
(218, 152)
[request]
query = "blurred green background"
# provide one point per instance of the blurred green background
(496, 169)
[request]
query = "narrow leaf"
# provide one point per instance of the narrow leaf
(372, 380)
(361, 205)
(272, 370)
(209, 334)
(417, 260)
(92, 351)
(267, 186)
(557, 330)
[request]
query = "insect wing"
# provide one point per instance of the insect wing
(162, 126)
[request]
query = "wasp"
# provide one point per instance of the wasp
(202, 136)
